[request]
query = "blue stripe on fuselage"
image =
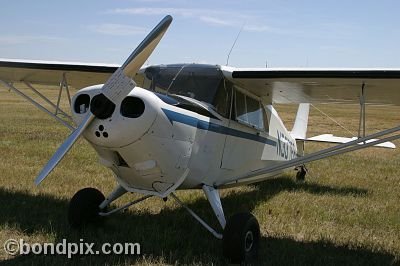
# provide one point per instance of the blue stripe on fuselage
(204, 125)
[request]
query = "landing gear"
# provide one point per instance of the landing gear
(301, 173)
(241, 238)
(84, 207)
(241, 233)
(88, 206)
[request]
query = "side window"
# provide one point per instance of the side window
(249, 111)
(241, 114)
(266, 122)
(254, 113)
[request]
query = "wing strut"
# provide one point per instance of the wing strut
(361, 143)
(63, 84)
(65, 122)
(362, 112)
(47, 100)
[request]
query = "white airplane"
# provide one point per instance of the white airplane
(164, 128)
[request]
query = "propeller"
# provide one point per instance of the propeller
(114, 90)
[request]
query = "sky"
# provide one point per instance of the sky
(286, 33)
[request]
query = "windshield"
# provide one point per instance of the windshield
(191, 80)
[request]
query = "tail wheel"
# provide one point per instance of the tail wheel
(84, 207)
(241, 238)
(301, 173)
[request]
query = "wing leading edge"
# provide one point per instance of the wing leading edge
(78, 75)
(382, 86)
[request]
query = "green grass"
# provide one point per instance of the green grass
(346, 213)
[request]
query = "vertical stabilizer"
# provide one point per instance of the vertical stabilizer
(299, 130)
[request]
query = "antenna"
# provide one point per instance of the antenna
(233, 45)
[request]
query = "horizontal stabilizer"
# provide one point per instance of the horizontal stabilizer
(329, 138)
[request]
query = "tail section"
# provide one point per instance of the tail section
(299, 130)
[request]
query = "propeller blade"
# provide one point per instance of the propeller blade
(63, 149)
(146, 47)
(120, 83)
(117, 86)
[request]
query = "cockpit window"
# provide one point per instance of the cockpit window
(192, 80)
(222, 99)
(241, 114)
(185, 104)
(169, 99)
(249, 111)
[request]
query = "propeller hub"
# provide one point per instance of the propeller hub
(101, 106)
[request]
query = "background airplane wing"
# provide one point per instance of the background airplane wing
(382, 86)
(78, 75)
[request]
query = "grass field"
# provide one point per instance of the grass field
(346, 213)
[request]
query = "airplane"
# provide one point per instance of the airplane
(163, 128)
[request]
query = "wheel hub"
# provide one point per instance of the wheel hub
(248, 241)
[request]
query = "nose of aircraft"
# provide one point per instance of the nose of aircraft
(130, 120)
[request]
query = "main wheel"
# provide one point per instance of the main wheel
(241, 238)
(84, 207)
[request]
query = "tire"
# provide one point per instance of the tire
(301, 173)
(241, 238)
(301, 176)
(84, 208)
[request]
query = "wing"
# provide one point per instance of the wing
(31, 72)
(78, 75)
(382, 86)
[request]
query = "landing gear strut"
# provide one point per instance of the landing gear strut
(241, 233)
(89, 206)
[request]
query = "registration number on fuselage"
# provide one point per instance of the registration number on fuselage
(285, 148)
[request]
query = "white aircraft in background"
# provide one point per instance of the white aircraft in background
(194, 126)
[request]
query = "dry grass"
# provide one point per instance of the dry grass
(347, 212)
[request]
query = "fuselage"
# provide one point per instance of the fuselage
(187, 128)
